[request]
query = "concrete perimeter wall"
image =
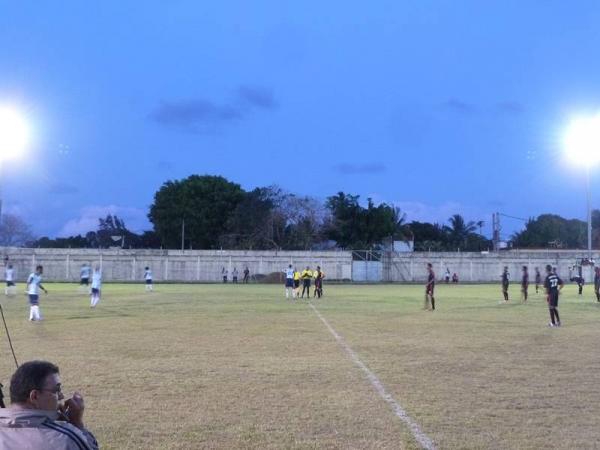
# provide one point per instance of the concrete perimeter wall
(206, 265)
(482, 267)
(171, 265)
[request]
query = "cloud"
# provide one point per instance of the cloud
(509, 108)
(60, 188)
(164, 166)
(192, 115)
(135, 219)
(359, 169)
(256, 97)
(199, 115)
(458, 106)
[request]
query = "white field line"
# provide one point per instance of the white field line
(418, 434)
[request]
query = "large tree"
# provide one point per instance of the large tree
(205, 203)
(14, 232)
(353, 226)
(551, 230)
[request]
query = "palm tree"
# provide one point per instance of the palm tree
(480, 224)
(401, 229)
(460, 230)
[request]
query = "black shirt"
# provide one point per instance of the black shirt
(552, 283)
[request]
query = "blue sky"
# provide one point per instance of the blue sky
(439, 107)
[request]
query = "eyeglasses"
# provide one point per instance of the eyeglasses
(57, 390)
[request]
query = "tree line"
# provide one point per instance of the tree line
(208, 212)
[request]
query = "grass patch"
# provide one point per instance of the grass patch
(236, 366)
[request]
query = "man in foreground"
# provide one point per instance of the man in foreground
(36, 419)
(553, 285)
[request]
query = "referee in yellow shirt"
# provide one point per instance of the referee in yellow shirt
(306, 276)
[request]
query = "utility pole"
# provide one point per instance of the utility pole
(496, 230)
(182, 234)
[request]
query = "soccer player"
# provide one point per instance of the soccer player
(538, 279)
(9, 276)
(148, 278)
(597, 282)
(234, 275)
(289, 282)
(524, 284)
(34, 284)
(318, 275)
(429, 287)
(578, 278)
(455, 277)
(224, 273)
(96, 286)
(447, 276)
(296, 282)
(553, 285)
(505, 282)
(84, 275)
(246, 275)
(306, 275)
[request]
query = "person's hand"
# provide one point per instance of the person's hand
(73, 409)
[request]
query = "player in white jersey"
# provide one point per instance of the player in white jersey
(148, 278)
(34, 284)
(9, 276)
(289, 282)
(96, 286)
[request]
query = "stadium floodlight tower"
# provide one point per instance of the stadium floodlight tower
(582, 145)
(14, 137)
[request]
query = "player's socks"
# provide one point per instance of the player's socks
(557, 316)
(432, 303)
(35, 313)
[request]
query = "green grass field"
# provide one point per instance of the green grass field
(213, 366)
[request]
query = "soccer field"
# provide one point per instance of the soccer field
(238, 366)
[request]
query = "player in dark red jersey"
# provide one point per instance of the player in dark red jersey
(505, 282)
(597, 282)
(524, 284)
(553, 285)
(429, 287)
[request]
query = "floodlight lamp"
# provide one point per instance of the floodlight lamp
(582, 140)
(14, 133)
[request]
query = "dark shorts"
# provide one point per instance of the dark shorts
(553, 300)
(33, 299)
(505, 286)
(95, 291)
(148, 281)
(318, 283)
(306, 282)
(289, 282)
(84, 281)
(429, 289)
(10, 283)
(296, 283)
